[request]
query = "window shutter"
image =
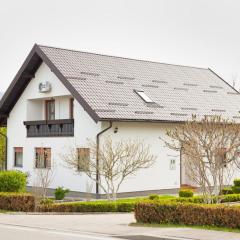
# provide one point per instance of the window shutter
(48, 157)
(37, 157)
(83, 157)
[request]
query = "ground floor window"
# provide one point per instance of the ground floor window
(18, 157)
(43, 157)
(83, 155)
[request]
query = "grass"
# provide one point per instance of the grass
(127, 200)
(169, 225)
(138, 199)
(3, 211)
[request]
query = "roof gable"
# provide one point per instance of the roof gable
(106, 87)
(24, 76)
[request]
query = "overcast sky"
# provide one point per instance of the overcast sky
(202, 33)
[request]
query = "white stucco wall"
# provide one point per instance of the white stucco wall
(30, 107)
(27, 109)
(159, 176)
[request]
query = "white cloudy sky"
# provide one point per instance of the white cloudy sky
(202, 33)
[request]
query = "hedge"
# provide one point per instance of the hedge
(88, 207)
(227, 190)
(121, 205)
(13, 181)
(188, 214)
(23, 202)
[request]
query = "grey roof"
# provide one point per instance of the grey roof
(1, 94)
(107, 85)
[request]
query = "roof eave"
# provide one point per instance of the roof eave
(16, 87)
(140, 120)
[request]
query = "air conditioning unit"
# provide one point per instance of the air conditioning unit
(44, 87)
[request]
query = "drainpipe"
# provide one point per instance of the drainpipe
(97, 158)
(6, 147)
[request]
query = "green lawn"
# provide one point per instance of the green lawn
(120, 200)
(155, 225)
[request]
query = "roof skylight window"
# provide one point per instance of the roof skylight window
(144, 96)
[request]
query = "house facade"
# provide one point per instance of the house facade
(61, 98)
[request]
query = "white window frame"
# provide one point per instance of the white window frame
(172, 164)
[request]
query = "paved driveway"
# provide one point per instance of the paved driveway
(109, 225)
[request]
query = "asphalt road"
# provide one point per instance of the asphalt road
(95, 226)
(13, 232)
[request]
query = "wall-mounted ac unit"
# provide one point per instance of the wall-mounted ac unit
(44, 87)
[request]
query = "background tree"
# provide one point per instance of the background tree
(209, 149)
(117, 161)
(2, 147)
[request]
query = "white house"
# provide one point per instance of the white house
(60, 98)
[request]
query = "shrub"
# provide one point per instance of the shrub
(230, 198)
(236, 182)
(188, 214)
(186, 193)
(226, 191)
(17, 202)
(60, 193)
(236, 189)
(89, 207)
(153, 197)
(13, 181)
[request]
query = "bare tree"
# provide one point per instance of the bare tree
(210, 147)
(116, 161)
(43, 173)
(43, 179)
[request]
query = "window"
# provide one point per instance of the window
(71, 107)
(83, 155)
(43, 157)
(50, 109)
(18, 157)
(144, 96)
(172, 164)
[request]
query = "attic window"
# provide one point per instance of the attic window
(144, 96)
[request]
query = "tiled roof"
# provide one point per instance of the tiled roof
(107, 84)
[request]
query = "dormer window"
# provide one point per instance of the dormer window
(144, 96)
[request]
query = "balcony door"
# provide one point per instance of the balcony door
(50, 109)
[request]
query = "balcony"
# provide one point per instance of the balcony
(50, 128)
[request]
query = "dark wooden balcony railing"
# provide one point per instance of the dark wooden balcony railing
(51, 128)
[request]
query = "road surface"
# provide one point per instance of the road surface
(13, 232)
(94, 226)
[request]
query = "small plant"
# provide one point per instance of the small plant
(60, 193)
(188, 193)
(153, 197)
(13, 181)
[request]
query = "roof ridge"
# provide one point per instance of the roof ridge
(133, 59)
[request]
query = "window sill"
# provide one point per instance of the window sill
(18, 166)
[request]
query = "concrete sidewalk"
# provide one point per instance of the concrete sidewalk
(111, 225)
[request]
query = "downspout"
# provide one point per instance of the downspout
(97, 157)
(6, 149)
